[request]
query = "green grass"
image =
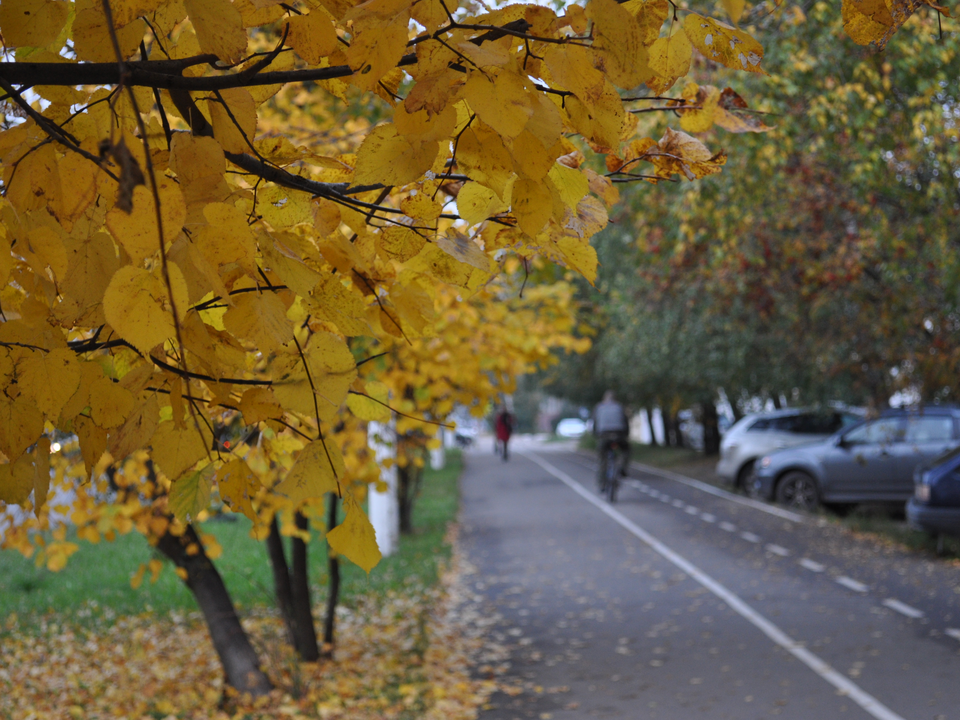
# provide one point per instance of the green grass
(96, 581)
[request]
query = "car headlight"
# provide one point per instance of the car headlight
(765, 461)
(922, 493)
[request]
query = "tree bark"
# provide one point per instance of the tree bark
(333, 592)
(711, 428)
(300, 590)
(408, 487)
(281, 580)
(240, 662)
(776, 401)
(653, 434)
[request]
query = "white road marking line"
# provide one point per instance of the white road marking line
(750, 537)
(852, 584)
(664, 498)
(843, 684)
(677, 503)
(729, 527)
(953, 632)
(707, 517)
(778, 550)
(812, 565)
(707, 488)
(691, 510)
(902, 608)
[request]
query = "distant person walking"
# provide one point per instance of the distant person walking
(612, 429)
(503, 426)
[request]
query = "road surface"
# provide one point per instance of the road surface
(683, 601)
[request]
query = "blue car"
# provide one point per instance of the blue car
(935, 505)
(873, 461)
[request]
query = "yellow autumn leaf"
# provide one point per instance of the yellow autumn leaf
(355, 538)
(373, 405)
(259, 404)
(21, 423)
(391, 159)
(619, 41)
(227, 237)
(190, 495)
(734, 9)
(377, 45)
(219, 28)
(312, 36)
(572, 184)
(110, 402)
(50, 379)
(483, 157)
(137, 305)
(726, 45)
(875, 21)
(238, 486)
(343, 306)
(476, 203)
(32, 23)
(234, 120)
(259, 318)
(670, 59)
(500, 100)
(137, 231)
(457, 245)
(315, 472)
(332, 371)
(681, 154)
(579, 255)
(532, 203)
(400, 242)
(91, 36)
(176, 450)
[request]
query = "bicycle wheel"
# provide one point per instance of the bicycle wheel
(612, 475)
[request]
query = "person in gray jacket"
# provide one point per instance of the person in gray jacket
(611, 427)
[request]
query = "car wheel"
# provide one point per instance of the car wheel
(745, 479)
(798, 490)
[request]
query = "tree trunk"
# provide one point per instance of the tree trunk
(333, 593)
(300, 590)
(711, 428)
(408, 487)
(292, 588)
(677, 435)
(776, 401)
(240, 662)
(281, 579)
(653, 434)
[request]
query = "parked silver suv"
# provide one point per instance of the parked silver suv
(754, 436)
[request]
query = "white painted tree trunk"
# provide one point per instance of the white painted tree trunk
(383, 507)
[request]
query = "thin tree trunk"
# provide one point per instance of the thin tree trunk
(776, 401)
(300, 590)
(281, 580)
(333, 594)
(653, 434)
(409, 478)
(711, 428)
(240, 662)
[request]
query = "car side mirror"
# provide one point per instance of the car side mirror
(840, 442)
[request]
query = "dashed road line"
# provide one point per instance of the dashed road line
(843, 684)
(777, 550)
(707, 488)
(691, 510)
(812, 565)
(953, 632)
(677, 503)
(902, 608)
(750, 537)
(708, 517)
(852, 584)
(728, 526)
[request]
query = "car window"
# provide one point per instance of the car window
(760, 424)
(929, 429)
(785, 424)
(818, 423)
(877, 432)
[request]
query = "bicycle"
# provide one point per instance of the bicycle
(609, 471)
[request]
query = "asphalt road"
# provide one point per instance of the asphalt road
(683, 601)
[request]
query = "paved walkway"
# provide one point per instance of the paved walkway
(675, 609)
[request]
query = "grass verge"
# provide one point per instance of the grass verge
(96, 581)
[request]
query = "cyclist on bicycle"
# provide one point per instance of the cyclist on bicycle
(611, 427)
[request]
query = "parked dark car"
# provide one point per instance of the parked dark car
(872, 461)
(935, 505)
